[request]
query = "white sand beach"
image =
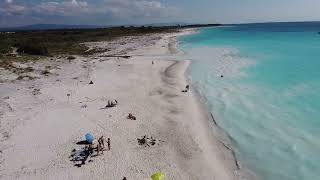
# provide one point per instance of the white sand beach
(41, 120)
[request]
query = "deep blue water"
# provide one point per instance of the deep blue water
(268, 99)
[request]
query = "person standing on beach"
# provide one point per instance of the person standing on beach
(108, 142)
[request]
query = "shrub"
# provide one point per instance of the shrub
(71, 58)
(32, 49)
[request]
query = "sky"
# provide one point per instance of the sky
(125, 12)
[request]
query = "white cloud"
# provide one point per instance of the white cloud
(118, 8)
(138, 8)
(9, 8)
(105, 11)
(62, 8)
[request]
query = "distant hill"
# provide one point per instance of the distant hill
(50, 27)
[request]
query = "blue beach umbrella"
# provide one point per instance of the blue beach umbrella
(89, 138)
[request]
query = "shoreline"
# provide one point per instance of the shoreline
(41, 124)
(222, 136)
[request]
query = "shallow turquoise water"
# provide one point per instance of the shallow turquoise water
(268, 99)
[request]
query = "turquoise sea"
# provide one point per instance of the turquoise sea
(268, 99)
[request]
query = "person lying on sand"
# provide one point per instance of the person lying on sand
(131, 117)
(111, 104)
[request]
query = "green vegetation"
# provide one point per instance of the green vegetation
(6, 63)
(32, 49)
(54, 42)
(33, 45)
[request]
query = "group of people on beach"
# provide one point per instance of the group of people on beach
(99, 146)
(186, 89)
